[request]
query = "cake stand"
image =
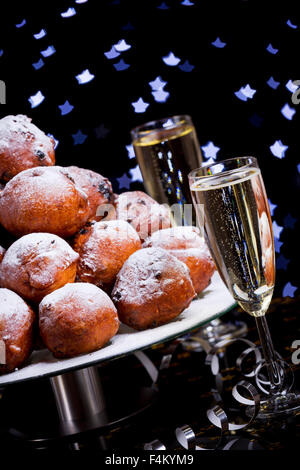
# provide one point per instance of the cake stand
(80, 402)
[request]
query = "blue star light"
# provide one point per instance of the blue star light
(282, 262)
(187, 3)
(130, 151)
(122, 46)
(39, 64)
(79, 138)
(291, 25)
(186, 66)
(210, 150)
(171, 60)
(40, 35)
(218, 43)
(271, 49)
(256, 120)
(272, 83)
(68, 13)
(84, 77)
(160, 96)
(291, 86)
(289, 290)
(288, 112)
(278, 149)
(124, 182)
(56, 142)
(157, 84)
(163, 6)
(112, 54)
(81, 1)
(1, 52)
(36, 100)
(127, 27)
(298, 167)
(65, 108)
(277, 244)
(272, 207)
(289, 221)
(101, 131)
(140, 106)
(136, 174)
(121, 65)
(277, 230)
(20, 25)
(48, 52)
(245, 93)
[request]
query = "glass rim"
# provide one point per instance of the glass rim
(142, 128)
(193, 174)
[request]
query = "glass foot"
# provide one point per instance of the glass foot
(278, 407)
(213, 333)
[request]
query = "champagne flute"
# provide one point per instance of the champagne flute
(231, 204)
(166, 151)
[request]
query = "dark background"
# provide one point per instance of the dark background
(103, 110)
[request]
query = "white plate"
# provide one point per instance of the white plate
(213, 302)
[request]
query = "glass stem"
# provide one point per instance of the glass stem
(273, 368)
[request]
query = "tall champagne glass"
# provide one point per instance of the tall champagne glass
(231, 204)
(166, 151)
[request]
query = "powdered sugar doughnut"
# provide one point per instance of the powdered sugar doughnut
(23, 146)
(142, 212)
(16, 330)
(43, 199)
(37, 264)
(152, 288)
(76, 319)
(186, 244)
(97, 188)
(103, 248)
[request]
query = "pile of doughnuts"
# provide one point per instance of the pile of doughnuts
(77, 259)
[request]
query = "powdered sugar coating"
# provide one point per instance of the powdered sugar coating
(103, 248)
(23, 145)
(76, 319)
(16, 322)
(43, 199)
(36, 264)
(176, 238)
(145, 275)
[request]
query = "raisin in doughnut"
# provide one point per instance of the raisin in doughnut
(186, 244)
(16, 329)
(37, 264)
(152, 288)
(142, 212)
(23, 146)
(103, 248)
(76, 319)
(43, 199)
(98, 190)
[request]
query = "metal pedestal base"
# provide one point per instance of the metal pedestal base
(82, 408)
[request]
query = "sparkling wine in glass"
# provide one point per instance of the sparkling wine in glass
(166, 151)
(232, 206)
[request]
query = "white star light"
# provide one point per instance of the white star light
(245, 92)
(160, 96)
(69, 12)
(136, 174)
(157, 84)
(36, 100)
(288, 112)
(210, 150)
(277, 230)
(171, 60)
(49, 51)
(130, 151)
(40, 35)
(272, 207)
(84, 77)
(122, 46)
(112, 54)
(291, 86)
(278, 149)
(140, 106)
